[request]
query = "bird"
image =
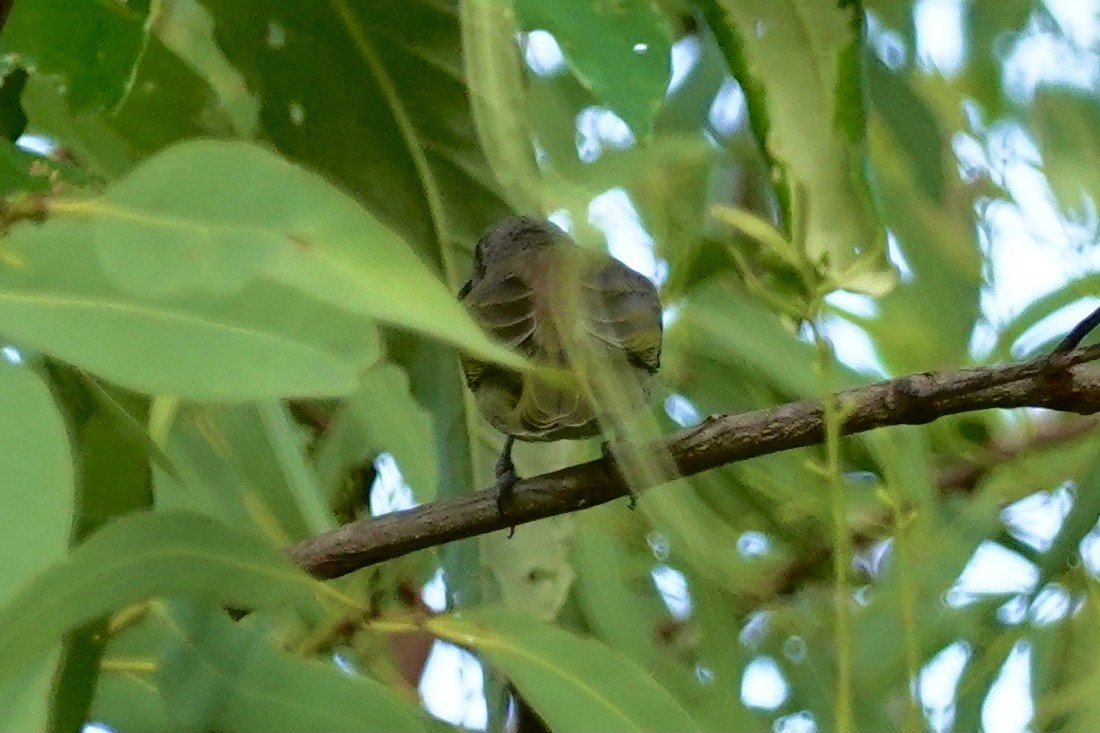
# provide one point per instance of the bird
(563, 307)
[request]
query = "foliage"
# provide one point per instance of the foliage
(226, 306)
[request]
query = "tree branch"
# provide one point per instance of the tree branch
(960, 478)
(1057, 382)
(963, 477)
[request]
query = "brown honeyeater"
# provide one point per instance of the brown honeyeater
(581, 313)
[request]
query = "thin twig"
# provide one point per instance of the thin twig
(963, 477)
(1077, 335)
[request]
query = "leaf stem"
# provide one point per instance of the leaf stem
(842, 541)
(902, 521)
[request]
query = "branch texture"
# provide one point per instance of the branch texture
(1059, 381)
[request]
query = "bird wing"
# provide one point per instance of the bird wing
(504, 306)
(623, 311)
(504, 302)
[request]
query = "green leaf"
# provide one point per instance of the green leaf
(25, 172)
(1066, 125)
(265, 341)
(381, 416)
(214, 216)
(798, 61)
(186, 28)
(73, 683)
(25, 696)
(724, 654)
(462, 457)
(243, 465)
(743, 335)
(1065, 671)
(126, 698)
(620, 51)
(532, 570)
(613, 589)
(116, 475)
(36, 463)
(374, 96)
(168, 102)
(128, 702)
(115, 480)
(917, 133)
(129, 414)
(498, 99)
(932, 214)
(222, 676)
(573, 683)
(13, 121)
(1065, 550)
(92, 46)
(141, 556)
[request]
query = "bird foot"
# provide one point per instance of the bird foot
(506, 480)
(612, 462)
(503, 489)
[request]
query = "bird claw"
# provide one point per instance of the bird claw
(505, 484)
(608, 455)
(506, 480)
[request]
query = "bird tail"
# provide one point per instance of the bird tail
(554, 406)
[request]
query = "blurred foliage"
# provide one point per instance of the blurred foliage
(231, 235)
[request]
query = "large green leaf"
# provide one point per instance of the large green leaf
(372, 94)
(266, 341)
(575, 684)
(171, 554)
(36, 463)
(799, 63)
(213, 216)
(221, 676)
(91, 46)
(621, 51)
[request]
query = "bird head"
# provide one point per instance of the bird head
(512, 236)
